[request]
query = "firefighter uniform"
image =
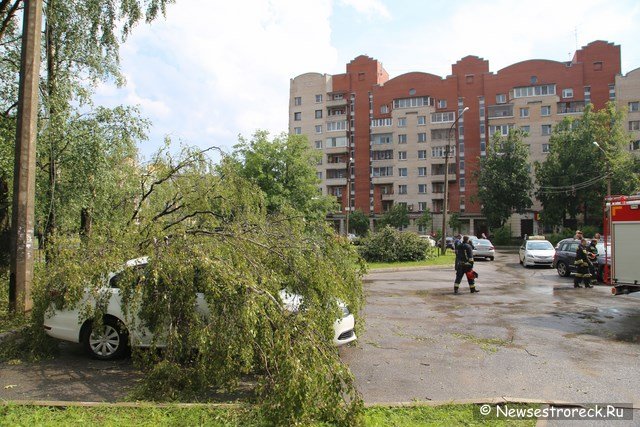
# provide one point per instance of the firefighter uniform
(583, 265)
(464, 265)
(592, 253)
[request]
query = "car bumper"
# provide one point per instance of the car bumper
(344, 330)
(538, 261)
(484, 254)
(65, 325)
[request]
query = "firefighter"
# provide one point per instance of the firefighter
(582, 264)
(592, 253)
(464, 266)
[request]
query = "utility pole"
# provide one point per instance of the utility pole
(24, 172)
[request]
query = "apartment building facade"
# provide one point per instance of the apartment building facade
(386, 141)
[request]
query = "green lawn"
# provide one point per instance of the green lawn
(450, 415)
(446, 259)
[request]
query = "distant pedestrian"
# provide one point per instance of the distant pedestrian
(484, 236)
(578, 235)
(582, 264)
(464, 266)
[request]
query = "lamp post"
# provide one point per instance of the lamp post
(443, 244)
(350, 162)
(606, 159)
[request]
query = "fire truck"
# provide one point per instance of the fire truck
(622, 230)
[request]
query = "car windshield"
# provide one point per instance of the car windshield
(539, 245)
(483, 242)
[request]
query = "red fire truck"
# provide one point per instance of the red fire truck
(622, 229)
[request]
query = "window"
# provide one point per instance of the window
(402, 122)
(297, 100)
(319, 98)
(422, 206)
(442, 103)
(319, 175)
(340, 141)
(545, 148)
(545, 110)
(318, 114)
(524, 92)
(634, 106)
(402, 138)
(297, 116)
(383, 171)
(445, 117)
(422, 154)
(635, 145)
(402, 155)
(634, 125)
(333, 126)
(297, 131)
(534, 80)
(402, 171)
(587, 94)
(319, 145)
(526, 129)
(338, 96)
(422, 188)
(439, 134)
(422, 120)
(381, 122)
(524, 112)
(318, 128)
(597, 66)
(441, 151)
(612, 92)
(412, 102)
(501, 98)
(384, 138)
(546, 130)
(500, 129)
(422, 171)
(382, 155)
(422, 137)
(402, 189)
(567, 93)
(384, 109)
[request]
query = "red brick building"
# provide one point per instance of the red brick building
(396, 130)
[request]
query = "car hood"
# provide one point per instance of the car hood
(541, 252)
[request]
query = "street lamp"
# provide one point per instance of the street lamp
(606, 159)
(348, 194)
(443, 245)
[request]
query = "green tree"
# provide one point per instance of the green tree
(573, 178)
(284, 168)
(358, 223)
(396, 217)
(504, 183)
(206, 229)
(425, 219)
(454, 221)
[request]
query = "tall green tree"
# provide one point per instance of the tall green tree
(284, 168)
(504, 183)
(425, 219)
(396, 217)
(358, 223)
(573, 178)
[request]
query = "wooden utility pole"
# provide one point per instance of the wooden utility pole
(24, 176)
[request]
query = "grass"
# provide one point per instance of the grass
(489, 345)
(446, 259)
(450, 415)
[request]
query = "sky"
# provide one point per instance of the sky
(211, 71)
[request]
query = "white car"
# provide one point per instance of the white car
(115, 337)
(536, 251)
(429, 239)
(483, 248)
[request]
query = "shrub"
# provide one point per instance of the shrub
(390, 245)
(502, 236)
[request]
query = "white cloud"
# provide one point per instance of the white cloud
(369, 8)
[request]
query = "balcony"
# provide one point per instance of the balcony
(575, 107)
(336, 102)
(499, 111)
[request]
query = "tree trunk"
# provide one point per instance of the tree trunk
(5, 224)
(85, 223)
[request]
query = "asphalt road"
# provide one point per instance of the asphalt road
(527, 334)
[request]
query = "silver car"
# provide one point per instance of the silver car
(483, 248)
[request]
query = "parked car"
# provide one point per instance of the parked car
(483, 248)
(432, 243)
(115, 336)
(565, 256)
(536, 251)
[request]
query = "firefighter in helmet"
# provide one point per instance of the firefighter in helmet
(592, 253)
(582, 264)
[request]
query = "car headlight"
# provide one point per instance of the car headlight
(345, 310)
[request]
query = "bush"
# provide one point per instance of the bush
(502, 236)
(390, 245)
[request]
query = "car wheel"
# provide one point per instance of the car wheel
(491, 258)
(520, 259)
(563, 269)
(109, 343)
